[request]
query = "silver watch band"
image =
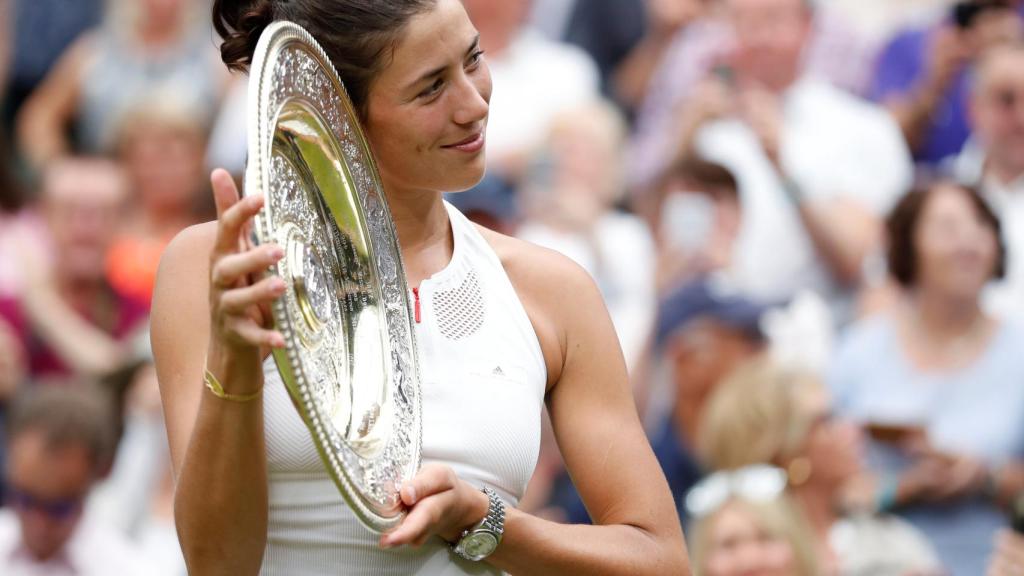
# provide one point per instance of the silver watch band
(493, 524)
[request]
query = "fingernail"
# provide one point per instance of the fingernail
(277, 252)
(411, 491)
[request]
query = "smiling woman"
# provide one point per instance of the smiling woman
(502, 327)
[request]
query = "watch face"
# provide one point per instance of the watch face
(479, 545)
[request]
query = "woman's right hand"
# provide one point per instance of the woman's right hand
(240, 297)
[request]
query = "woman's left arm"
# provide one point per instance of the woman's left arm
(636, 527)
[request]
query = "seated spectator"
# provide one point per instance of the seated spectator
(702, 331)
(816, 167)
(535, 79)
(161, 144)
(69, 318)
(59, 442)
(937, 381)
(765, 413)
(922, 76)
(993, 160)
(569, 199)
(744, 524)
(159, 48)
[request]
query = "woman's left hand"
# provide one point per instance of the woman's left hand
(439, 504)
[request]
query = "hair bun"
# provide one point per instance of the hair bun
(240, 23)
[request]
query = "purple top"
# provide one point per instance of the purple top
(900, 67)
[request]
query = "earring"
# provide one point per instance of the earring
(799, 471)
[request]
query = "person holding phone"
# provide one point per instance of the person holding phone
(923, 75)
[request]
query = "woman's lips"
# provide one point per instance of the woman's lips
(471, 145)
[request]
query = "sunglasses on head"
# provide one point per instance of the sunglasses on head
(758, 484)
(56, 509)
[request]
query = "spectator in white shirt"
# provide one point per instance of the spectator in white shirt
(60, 441)
(816, 166)
(993, 161)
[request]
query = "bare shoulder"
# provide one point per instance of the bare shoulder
(189, 251)
(182, 281)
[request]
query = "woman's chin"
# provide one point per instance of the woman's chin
(466, 179)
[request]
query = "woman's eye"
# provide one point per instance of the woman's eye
(475, 58)
(433, 89)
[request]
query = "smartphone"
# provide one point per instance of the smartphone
(895, 434)
(687, 220)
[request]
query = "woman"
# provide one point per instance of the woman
(251, 492)
(146, 47)
(768, 414)
(936, 381)
(744, 525)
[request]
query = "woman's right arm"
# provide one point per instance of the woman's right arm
(44, 118)
(207, 315)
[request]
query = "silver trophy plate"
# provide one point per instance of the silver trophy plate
(350, 362)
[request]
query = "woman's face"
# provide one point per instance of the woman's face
(956, 248)
(833, 446)
(741, 546)
(427, 111)
(166, 168)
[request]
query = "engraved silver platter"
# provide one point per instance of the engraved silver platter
(350, 362)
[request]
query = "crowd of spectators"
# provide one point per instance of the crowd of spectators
(806, 218)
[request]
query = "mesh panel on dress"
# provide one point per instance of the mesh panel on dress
(460, 310)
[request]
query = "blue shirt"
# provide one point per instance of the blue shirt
(901, 66)
(978, 410)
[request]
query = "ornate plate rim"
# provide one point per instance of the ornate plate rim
(261, 123)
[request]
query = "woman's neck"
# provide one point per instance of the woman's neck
(941, 316)
(424, 231)
(155, 34)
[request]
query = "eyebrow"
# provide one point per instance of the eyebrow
(440, 69)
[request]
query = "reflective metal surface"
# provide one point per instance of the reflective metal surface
(350, 363)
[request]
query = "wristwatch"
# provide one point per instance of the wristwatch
(482, 540)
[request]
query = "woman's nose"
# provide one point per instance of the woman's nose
(473, 105)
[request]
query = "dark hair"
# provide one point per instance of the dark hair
(904, 220)
(11, 195)
(355, 34)
(966, 12)
(712, 178)
(77, 414)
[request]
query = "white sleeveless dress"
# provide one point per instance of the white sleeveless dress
(483, 381)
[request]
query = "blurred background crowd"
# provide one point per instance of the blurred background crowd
(806, 218)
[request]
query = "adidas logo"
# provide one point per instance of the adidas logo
(497, 371)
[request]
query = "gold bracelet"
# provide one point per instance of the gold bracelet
(215, 386)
